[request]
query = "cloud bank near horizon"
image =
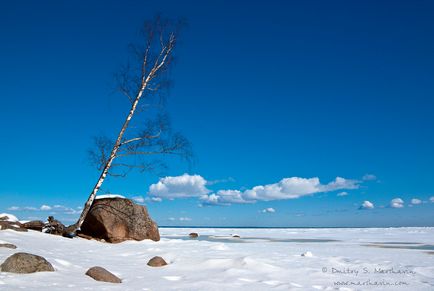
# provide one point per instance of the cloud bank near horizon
(194, 186)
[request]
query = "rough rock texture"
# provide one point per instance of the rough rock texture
(11, 225)
(9, 246)
(193, 235)
(157, 262)
(119, 219)
(26, 263)
(101, 274)
(53, 226)
(34, 225)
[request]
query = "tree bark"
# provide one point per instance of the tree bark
(160, 61)
(113, 153)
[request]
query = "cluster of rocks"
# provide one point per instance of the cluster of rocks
(52, 225)
(109, 219)
(25, 263)
(7, 223)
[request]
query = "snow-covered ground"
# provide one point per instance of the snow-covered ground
(262, 259)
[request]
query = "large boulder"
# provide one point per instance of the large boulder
(119, 219)
(26, 263)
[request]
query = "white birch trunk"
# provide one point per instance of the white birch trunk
(111, 158)
(165, 52)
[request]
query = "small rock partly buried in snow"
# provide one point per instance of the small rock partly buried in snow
(25, 263)
(193, 235)
(307, 254)
(9, 246)
(157, 262)
(236, 236)
(101, 274)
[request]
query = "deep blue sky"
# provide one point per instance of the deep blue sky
(265, 90)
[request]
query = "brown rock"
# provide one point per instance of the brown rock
(193, 235)
(157, 262)
(119, 219)
(34, 225)
(79, 234)
(101, 274)
(25, 263)
(9, 246)
(53, 226)
(11, 225)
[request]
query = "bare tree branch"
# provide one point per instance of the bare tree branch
(137, 83)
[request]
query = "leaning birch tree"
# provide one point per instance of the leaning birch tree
(142, 84)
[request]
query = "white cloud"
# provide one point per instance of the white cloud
(287, 188)
(225, 197)
(268, 210)
(342, 193)
(141, 199)
(189, 186)
(45, 207)
(415, 201)
(30, 208)
(367, 205)
(156, 199)
(340, 183)
(213, 182)
(431, 199)
(369, 177)
(179, 219)
(184, 186)
(64, 209)
(397, 203)
(138, 199)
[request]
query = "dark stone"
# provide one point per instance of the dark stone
(119, 219)
(157, 262)
(101, 274)
(9, 246)
(193, 235)
(37, 225)
(69, 234)
(11, 225)
(53, 226)
(25, 263)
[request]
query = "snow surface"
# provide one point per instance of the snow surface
(11, 217)
(109, 196)
(261, 259)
